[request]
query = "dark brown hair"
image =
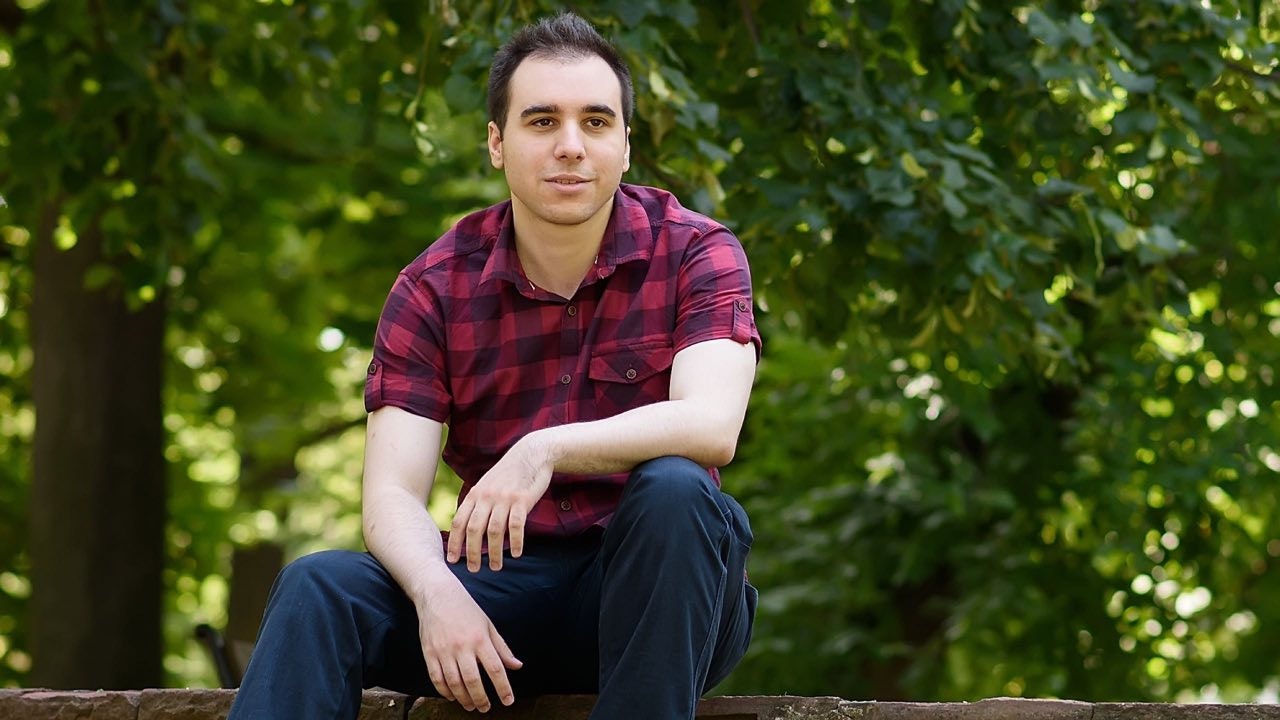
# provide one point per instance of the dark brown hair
(564, 36)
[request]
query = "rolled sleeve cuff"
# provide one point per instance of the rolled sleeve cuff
(382, 389)
(734, 320)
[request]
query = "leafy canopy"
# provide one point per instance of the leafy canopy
(1014, 429)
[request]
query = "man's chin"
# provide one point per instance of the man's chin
(568, 217)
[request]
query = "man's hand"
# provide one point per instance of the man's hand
(458, 640)
(499, 503)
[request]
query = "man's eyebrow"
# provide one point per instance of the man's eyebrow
(539, 110)
(555, 109)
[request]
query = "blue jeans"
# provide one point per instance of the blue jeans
(649, 614)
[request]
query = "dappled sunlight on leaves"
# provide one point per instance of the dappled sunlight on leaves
(1014, 428)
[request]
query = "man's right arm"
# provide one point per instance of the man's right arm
(458, 639)
(401, 453)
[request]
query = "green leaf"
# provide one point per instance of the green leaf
(460, 93)
(195, 168)
(846, 198)
(912, 167)
(968, 152)
(885, 180)
(1184, 107)
(1130, 81)
(708, 113)
(713, 151)
(1159, 244)
(955, 208)
(953, 174)
(1055, 187)
(1080, 31)
(1044, 29)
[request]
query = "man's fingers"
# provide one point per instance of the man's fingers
(497, 530)
(515, 529)
(474, 685)
(457, 531)
(507, 657)
(456, 687)
(437, 679)
(476, 526)
(493, 666)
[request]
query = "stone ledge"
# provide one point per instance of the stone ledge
(32, 704)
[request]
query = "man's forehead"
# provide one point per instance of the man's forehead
(568, 84)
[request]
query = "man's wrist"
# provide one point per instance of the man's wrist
(429, 581)
(543, 447)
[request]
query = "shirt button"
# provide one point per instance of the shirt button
(631, 373)
(742, 305)
(373, 368)
(565, 379)
(566, 505)
(572, 310)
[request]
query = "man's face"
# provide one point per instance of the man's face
(564, 147)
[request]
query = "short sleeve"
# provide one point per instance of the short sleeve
(408, 369)
(714, 293)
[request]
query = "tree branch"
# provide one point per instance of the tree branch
(1241, 68)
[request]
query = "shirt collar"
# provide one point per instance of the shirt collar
(503, 263)
(629, 237)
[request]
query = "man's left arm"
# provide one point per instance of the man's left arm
(710, 384)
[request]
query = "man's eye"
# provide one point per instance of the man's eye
(542, 122)
(596, 123)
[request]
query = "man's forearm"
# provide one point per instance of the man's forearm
(401, 534)
(675, 427)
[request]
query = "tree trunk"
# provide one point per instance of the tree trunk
(97, 511)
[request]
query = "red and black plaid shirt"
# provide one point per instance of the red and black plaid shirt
(467, 340)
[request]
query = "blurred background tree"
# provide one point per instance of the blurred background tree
(1016, 267)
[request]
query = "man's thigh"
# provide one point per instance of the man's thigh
(531, 603)
(535, 603)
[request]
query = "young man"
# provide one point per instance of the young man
(591, 346)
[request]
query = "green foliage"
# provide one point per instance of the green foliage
(17, 421)
(1041, 395)
(1016, 267)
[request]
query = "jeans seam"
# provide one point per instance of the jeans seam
(703, 667)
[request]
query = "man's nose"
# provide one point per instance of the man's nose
(569, 144)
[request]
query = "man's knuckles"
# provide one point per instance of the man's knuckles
(495, 496)
(466, 645)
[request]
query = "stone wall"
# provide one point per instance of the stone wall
(378, 705)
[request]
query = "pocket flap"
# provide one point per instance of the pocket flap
(630, 362)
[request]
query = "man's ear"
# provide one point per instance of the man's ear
(495, 145)
(626, 155)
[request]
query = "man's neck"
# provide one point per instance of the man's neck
(556, 258)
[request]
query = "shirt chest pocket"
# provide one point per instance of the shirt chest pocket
(630, 373)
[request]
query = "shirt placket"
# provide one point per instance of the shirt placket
(570, 342)
(574, 316)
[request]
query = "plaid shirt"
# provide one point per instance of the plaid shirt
(466, 339)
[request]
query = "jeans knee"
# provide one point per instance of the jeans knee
(313, 575)
(667, 494)
(671, 482)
